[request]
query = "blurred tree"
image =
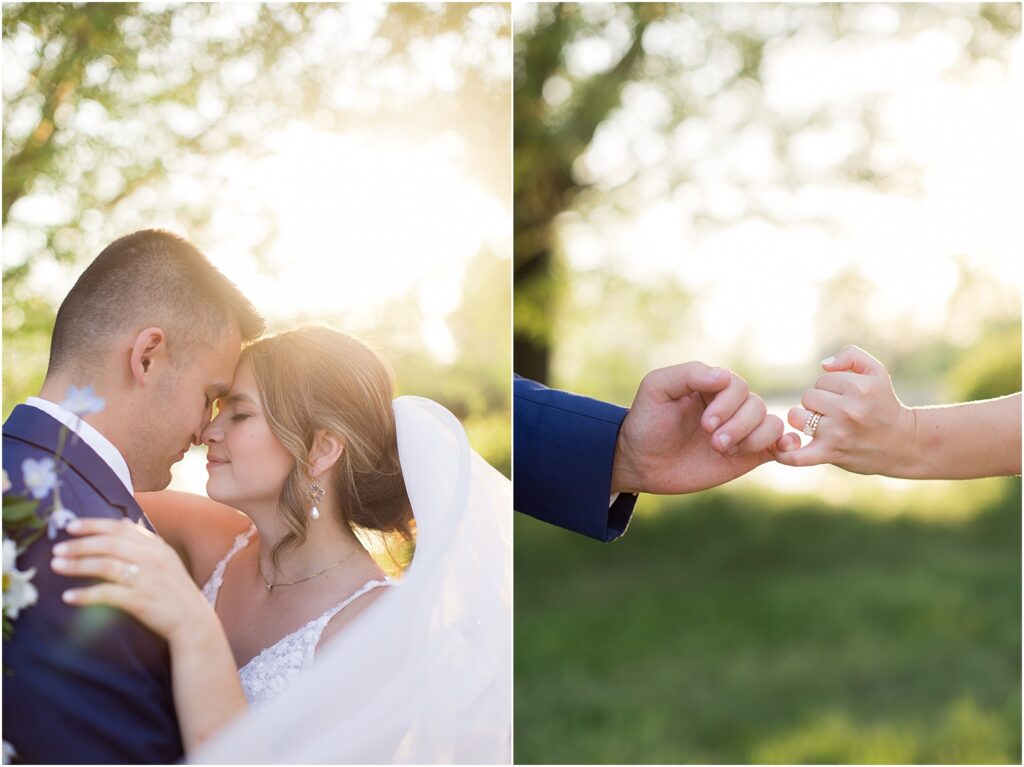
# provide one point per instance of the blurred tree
(992, 368)
(107, 106)
(481, 106)
(547, 141)
(681, 65)
(612, 347)
(107, 97)
(842, 303)
(476, 384)
(974, 355)
(27, 351)
(480, 327)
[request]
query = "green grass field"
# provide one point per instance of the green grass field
(743, 626)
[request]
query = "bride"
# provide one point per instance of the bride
(296, 623)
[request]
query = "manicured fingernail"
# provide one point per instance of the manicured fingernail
(714, 422)
(716, 372)
(57, 563)
(68, 596)
(724, 440)
(828, 361)
(60, 548)
(74, 526)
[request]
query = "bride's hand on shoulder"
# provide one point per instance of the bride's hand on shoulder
(862, 428)
(141, 575)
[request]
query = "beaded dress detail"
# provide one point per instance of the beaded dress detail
(277, 667)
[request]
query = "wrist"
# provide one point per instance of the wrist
(197, 632)
(625, 478)
(905, 452)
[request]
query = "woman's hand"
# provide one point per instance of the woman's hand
(144, 576)
(863, 427)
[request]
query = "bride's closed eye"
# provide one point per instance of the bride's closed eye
(237, 417)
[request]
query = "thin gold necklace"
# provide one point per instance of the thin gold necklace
(270, 586)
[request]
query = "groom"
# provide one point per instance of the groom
(578, 462)
(157, 331)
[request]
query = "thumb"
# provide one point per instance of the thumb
(678, 381)
(787, 443)
(856, 359)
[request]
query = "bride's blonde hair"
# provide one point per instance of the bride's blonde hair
(314, 378)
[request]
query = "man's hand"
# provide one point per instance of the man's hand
(692, 427)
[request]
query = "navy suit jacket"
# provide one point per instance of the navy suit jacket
(563, 449)
(88, 685)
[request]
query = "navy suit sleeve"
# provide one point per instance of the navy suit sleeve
(563, 449)
(87, 685)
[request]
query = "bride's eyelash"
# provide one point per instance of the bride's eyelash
(240, 417)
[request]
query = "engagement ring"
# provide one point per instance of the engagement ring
(129, 573)
(812, 423)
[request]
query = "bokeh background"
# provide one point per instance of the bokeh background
(756, 186)
(342, 163)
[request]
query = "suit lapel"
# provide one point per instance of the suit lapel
(34, 427)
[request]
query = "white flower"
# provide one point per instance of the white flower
(83, 401)
(40, 476)
(9, 753)
(59, 518)
(7, 486)
(18, 592)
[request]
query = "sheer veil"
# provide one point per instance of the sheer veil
(424, 676)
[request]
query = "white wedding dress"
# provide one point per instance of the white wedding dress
(425, 675)
(282, 664)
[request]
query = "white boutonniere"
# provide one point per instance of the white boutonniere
(19, 592)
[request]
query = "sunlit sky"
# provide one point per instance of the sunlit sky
(761, 281)
(362, 221)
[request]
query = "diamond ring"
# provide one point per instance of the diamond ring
(129, 573)
(812, 423)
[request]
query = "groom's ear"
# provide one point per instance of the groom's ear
(325, 452)
(149, 348)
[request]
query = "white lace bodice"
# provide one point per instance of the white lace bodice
(277, 667)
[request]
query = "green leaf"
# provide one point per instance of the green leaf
(19, 511)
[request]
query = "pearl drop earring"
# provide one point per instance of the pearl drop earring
(316, 495)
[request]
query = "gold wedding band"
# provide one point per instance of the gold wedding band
(129, 573)
(812, 423)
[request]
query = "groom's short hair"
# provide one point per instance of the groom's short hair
(148, 278)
